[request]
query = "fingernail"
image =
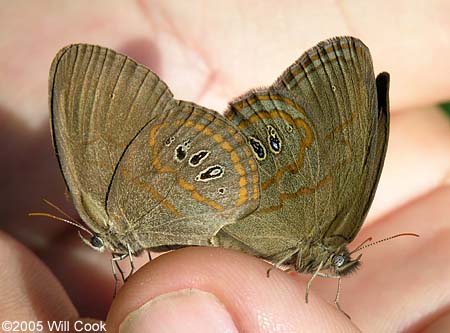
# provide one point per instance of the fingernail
(188, 310)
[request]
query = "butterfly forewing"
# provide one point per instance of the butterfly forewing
(94, 94)
(337, 84)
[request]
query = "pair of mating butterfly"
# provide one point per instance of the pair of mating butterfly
(287, 174)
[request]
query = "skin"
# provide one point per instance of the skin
(209, 54)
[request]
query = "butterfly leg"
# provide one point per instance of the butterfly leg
(336, 299)
(308, 286)
(338, 291)
(131, 263)
(116, 280)
(114, 261)
(289, 254)
(122, 273)
(149, 255)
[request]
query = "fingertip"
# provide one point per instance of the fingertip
(29, 290)
(193, 310)
(234, 284)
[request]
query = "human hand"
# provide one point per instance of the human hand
(210, 55)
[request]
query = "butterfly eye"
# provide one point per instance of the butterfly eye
(338, 260)
(97, 242)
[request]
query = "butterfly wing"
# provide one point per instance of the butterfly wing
(337, 83)
(109, 115)
(321, 140)
(188, 173)
(94, 94)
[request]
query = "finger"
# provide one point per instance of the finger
(29, 291)
(417, 159)
(85, 274)
(267, 38)
(165, 293)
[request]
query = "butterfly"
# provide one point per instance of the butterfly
(145, 171)
(319, 135)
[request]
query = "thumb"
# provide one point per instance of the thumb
(216, 290)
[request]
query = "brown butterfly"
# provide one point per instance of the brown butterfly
(319, 135)
(145, 171)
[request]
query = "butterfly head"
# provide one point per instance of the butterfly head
(342, 263)
(102, 242)
(95, 242)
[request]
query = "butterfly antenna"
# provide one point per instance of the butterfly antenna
(59, 210)
(68, 218)
(362, 246)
